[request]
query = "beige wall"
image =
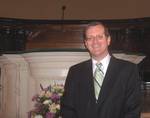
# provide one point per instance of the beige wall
(76, 9)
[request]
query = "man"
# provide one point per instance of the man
(111, 91)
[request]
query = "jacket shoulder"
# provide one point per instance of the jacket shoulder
(124, 63)
(81, 64)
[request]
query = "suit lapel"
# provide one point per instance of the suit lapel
(89, 77)
(90, 96)
(109, 81)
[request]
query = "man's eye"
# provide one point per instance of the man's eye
(90, 38)
(96, 37)
(100, 36)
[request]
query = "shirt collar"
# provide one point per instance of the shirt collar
(105, 61)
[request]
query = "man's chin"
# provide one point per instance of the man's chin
(97, 55)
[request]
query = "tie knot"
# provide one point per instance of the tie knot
(99, 65)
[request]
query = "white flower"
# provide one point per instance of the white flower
(38, 116)
(48, 94)
(42, 93)
(54, 107)
(47, 102)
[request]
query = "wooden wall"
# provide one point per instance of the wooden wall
(56, 36)
(128, 35)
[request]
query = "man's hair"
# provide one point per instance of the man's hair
(106, 32)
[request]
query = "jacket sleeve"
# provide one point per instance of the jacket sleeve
(68, 99)
(133, 95)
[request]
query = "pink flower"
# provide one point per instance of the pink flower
(49, 115)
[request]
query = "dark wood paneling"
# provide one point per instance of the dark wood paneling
(128, 35)
(56, 36)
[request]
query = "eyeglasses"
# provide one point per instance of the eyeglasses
(97, 37)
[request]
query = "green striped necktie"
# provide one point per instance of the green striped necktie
(98, 79)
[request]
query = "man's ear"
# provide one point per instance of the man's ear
(85, 43)
(109, 40)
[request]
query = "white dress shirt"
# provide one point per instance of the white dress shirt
(105, 61)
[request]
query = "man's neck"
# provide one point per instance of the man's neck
(98, 59)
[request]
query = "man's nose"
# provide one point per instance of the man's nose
(95, 39)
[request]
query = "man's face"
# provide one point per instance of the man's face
(96, 42)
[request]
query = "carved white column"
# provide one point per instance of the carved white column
(14, 86)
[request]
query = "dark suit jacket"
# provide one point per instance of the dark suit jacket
(119, 96)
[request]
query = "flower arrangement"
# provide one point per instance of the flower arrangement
(47, 103)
